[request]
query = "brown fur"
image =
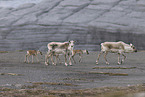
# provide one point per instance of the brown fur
(80, 52)
(32, 53)
(114, 46)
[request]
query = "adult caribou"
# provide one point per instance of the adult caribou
(116, 47)
(56, 48)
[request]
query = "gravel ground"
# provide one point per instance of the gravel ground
(14, 73)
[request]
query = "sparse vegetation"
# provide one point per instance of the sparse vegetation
(70, 79)
(114, 67)
(52, 83)
(13, 74)
(3, 51)
(96, 92)
(19, 50)
(110, 74)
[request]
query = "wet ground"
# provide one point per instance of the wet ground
(14, 73)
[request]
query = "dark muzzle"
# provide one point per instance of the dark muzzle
(87, 52)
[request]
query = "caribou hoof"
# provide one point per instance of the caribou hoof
(70, 64)
(66, 64)
(119, 63)
(122, 61)
(107, 63)
(97, 62)
(54, 64)
(46, 63)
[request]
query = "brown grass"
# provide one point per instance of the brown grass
(96, 92)
(114, 67)
(3, 51)
(110, 74)
(13, 74)
(52, 83)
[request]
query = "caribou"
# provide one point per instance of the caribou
(116, 47)
(80, 52)
(32, 53)
(56, 48)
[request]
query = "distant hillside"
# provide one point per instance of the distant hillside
(88, 22)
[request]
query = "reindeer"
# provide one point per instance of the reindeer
(56, 48)
(75, 52)
(80, 52)
(32, 53)
(116, 47)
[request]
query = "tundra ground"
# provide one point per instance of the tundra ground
(85, 78)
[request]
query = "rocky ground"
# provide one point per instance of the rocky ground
(85, 77)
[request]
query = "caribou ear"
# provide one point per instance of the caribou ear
(131, 44)
(71, 41)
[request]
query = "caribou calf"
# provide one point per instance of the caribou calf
(116, 47)
(32, 53)
(80, 52)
